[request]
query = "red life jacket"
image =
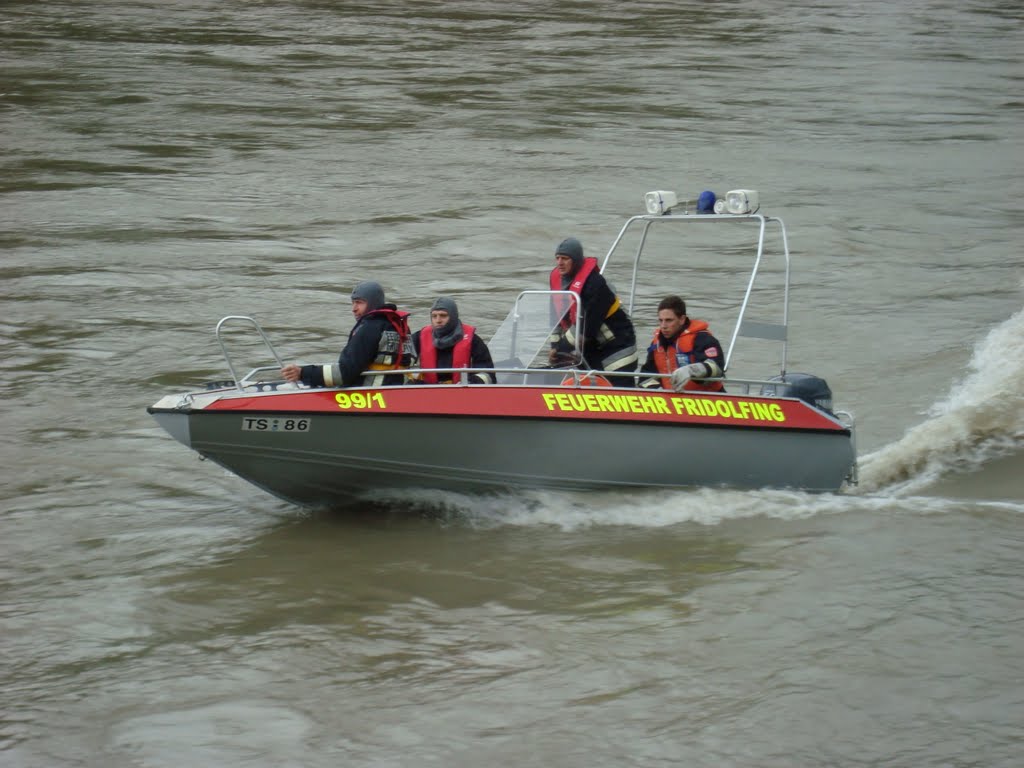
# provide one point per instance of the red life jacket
(460, 353)
(400, 322)
(667, 363)
(569, 318)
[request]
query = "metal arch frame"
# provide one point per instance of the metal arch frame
(750, 328)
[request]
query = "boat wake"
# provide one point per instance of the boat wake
(980, 425)
(655, 509)
(642, 508)
(972, 446)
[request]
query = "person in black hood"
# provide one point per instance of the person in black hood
(609, 340)
(379, 342)
(449, 343)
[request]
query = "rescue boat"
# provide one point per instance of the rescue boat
(541, 428)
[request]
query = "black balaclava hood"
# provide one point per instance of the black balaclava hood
(572, 248)
(371, 292)
(448, 334)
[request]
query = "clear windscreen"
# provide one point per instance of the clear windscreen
(523, 338)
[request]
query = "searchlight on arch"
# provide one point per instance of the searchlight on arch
(660, 202)
(737, 202)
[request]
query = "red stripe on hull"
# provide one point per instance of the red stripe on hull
(547, 403)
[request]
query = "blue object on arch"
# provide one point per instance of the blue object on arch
(706, 202)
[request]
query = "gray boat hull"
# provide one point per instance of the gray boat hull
(344, 455)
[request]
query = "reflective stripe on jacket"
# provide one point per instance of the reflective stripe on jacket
(393, 352)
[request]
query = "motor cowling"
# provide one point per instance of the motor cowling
(811, 389)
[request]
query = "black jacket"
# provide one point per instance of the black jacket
(373, 336)
(596, 298)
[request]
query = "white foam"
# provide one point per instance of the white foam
(663, 508)
(647, 509)
(981, 419)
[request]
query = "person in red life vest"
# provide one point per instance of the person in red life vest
(609, 341)
(449, 343)
(683, 351)
(379, 342)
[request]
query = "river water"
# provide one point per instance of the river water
(167, 164)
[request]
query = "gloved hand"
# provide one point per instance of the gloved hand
(682, 375)
(561, 359)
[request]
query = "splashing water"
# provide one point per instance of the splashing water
(570, 511)
(982, 419)
(644, 508)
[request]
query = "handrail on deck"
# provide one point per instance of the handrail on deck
(578, 374)
(241, 382)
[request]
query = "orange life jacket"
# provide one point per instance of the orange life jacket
(460, 352)
(683, 346)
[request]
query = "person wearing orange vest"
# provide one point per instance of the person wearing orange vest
(449, 343)
(683, 351)
(379, 342)
(609, 341)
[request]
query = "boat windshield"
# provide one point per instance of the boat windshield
(523, 338)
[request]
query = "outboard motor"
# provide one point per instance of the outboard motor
(810, 389)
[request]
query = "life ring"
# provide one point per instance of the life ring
(589, 380)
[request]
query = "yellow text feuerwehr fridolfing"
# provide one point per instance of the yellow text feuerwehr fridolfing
(690, 406)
